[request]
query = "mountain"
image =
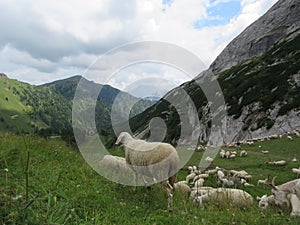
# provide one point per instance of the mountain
(26, 107)
(259, 75)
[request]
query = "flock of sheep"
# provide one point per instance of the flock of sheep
(157, 162)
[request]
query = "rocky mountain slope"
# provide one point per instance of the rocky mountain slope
(260, 36)
(259, 74)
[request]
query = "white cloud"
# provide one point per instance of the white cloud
(48, 40)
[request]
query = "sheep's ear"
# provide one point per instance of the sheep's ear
(258, 198)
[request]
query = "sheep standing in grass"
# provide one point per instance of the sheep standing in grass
(296, 171)
(153, 159)
(262, 181)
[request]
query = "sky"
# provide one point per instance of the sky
(42, 41)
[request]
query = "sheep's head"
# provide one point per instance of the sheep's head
(263, 203)
(280, 196)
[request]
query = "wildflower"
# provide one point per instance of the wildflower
(16, 198)
(78, 185)
(6, 170)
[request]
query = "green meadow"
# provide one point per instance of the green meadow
(45, 181)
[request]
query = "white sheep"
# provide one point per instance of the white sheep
(227, 154)
(296, 171)
(248, 185)
(289, 137)
(220, 174)
(287, 195)
(211, 171)
(203, 176)
(182, 186)
(190, 177)
(199, 183)
(222, 153)
(243, 153)
(209, 159)
(266, 201)
(222, 196)
(294, 159)
(232, 156)
(157, 160)
(116, 168)
(262, 181)
(226, 182)
(277, 163)
(264, 151)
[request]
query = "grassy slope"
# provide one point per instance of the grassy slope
(68, 191)
(12, 106)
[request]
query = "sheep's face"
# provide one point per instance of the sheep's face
(262, 202)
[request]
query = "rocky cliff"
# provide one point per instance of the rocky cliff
(259, 37)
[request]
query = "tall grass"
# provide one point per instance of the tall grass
(63, 189)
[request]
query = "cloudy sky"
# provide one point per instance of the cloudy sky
(42, 41)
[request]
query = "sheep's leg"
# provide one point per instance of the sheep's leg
(148, 187)
(169, 189)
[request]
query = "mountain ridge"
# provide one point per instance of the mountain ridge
(49, 106)
(259, 87)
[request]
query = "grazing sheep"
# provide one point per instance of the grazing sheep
(190, 168)
(222, 153)
(227, 154)
(266, 201)
(264, 151)
(296, 171)
(262, 181)
(232, 156)
(294, 159)
(209, 159)
(243, 153)
(116, 168)
(248, 185)
(285, 195)
(153, 159)
(222, 196)
(202, 176)
(277, 163)
(211, 172)
(289, 137)
(220, 174)
(190, 177)
(199, 183)
(182, 186)
(226, 182)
